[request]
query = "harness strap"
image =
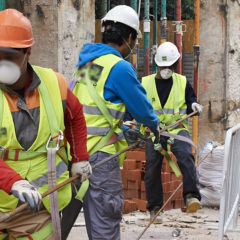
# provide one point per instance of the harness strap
(2, 106)
(53, 196)
(42, 234)
(175, 94)
(51, 114)
(158, 147)
(82, 191)
(102, 107)
(178, 137)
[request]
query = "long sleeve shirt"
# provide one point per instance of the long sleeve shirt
(75, 126)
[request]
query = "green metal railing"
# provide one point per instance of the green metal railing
(2, 5)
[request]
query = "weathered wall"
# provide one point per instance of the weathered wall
(233, 63)
(219, 68)
(76, 26)
(60, 29)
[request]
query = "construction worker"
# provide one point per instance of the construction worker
(36, 108)
(106, 83)
(172, 97)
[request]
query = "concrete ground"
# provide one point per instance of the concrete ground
(199, 226)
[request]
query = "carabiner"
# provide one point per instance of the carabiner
(59, 139)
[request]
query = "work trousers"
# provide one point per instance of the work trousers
(185, 160)
(26, 223)
(103, 201)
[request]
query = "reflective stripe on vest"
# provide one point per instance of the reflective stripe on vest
(102, 131)
(99, 123)
(35, 167)
(175, 107)
(92, 110)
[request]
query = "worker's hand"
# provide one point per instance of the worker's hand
(156, 133)
(132, 135)
(82, 168)
(26, 192)
(197, 107)
(164, 141)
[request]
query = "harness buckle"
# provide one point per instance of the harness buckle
(60, 137)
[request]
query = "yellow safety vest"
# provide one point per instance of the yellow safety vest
(175, 107)
(32, 164)
(90, 92)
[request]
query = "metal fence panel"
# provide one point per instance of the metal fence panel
(229, 205)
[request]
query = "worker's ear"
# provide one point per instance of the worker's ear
(29, 53)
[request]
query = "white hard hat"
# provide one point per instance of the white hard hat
(124, 14)
(167, 54)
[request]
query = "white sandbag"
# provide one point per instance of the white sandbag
(210, 173)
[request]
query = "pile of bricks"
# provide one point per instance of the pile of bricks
(133, 183)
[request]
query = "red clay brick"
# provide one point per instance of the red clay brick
(178, 203)
(129, 206)
(143, 195)
(143, 186)
(134, 175)
(129, 164)
(138, 155)
(141, 204)
(124, 179)
(131, 193)
(139, 164)
(132, 184)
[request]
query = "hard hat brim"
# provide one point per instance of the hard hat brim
(164, 64)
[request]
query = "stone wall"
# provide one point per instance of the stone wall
(219, 68)
(60, 29)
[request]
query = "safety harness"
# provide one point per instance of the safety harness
(52, 147)
(82, 74)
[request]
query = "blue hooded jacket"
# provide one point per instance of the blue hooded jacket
(122, 84)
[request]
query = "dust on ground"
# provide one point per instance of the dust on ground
(202, 225)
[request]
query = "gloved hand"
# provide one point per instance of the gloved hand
(164, 141)
(83, 168)
(25, 191)
(132, 135)
(197, 107)
(156, 133)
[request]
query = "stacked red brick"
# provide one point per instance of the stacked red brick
(133, 183)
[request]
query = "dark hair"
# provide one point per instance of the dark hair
(174, 66)
(22, 49)
(116, 32)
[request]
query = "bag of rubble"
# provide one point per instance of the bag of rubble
(210, 173)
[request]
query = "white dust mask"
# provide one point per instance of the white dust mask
(131, 49)
(10, 72)
(166, 73)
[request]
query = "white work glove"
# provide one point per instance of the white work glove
(197, 107)
(83, 168)
(25, 191)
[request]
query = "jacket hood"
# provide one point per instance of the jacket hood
(90, 51)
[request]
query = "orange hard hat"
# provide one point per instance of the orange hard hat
(15, 30)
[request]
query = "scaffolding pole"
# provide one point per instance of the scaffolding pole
(146, 29)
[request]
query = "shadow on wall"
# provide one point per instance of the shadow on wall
(19, 5)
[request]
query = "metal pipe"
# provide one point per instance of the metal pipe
(135, 52)
(146, 29)
(195, 67)
(134, 4)
(179, 34)
(103, 8)
(155, 30)
(2, 5)
(163, 21)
